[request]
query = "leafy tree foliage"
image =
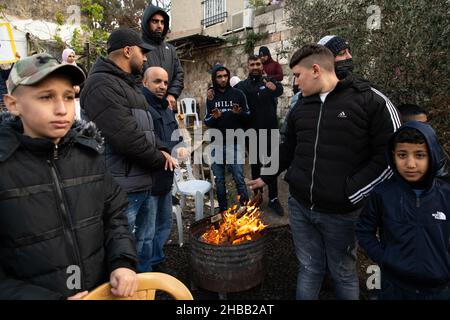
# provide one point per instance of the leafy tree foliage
(401, 46)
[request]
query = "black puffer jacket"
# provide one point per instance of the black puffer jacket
(58, 208)
(113, 101)
(335, 150)
(163, 54)
(261, 101)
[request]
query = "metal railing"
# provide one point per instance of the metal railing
(214, 11)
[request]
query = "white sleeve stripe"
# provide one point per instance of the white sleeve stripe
(371, 185)
(361, 196)
(358, 195)
(392, 111)
(391, 107)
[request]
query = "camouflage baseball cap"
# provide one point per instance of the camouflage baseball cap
(31, 70)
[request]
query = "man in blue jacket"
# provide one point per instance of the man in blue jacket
(228, 110)
(410, 213)
(155, 87)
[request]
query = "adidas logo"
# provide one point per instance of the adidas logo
(342, 115)
(439, 215)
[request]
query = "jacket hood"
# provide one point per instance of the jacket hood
(11, 131)
(437, 156)
(214, 70)
(148, 13)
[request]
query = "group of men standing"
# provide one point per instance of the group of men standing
(137, 123)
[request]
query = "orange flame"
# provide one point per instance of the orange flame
(238, 225)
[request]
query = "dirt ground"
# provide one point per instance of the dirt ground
(279, 261)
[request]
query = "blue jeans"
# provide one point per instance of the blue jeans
(150, 219)
(163, 226)
(236, 169)
(324, 241)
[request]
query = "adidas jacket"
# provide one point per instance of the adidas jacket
(334, 151)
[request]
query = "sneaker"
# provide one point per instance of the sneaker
(275, 205)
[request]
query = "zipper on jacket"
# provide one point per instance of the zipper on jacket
(315, 158)
(417, 202)
(55, 152)
(66, 219)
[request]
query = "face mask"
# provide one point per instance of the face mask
(343, 68)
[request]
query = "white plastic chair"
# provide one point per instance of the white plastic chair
(176, 210)
(190, 186)
(189, 109)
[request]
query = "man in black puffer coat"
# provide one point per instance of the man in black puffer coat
(334, 153)
(113, 101)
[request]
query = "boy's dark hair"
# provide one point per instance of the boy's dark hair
(409, 135)
(317, 53)
(407, 109)
(253, 57)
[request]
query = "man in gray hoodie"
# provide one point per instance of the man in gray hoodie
(155, 25)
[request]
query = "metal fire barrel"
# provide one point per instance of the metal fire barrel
(225, 268)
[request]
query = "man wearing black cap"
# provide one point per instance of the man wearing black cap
(113, 101)
(271, 67)
(154, 26)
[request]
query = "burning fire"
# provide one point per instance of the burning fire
(238, 225)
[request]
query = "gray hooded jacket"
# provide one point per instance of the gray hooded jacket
(163, 54)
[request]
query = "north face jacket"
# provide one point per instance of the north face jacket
(414, 231)
(60, 211)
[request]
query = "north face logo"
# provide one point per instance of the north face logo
(342, 115)
(439, 215)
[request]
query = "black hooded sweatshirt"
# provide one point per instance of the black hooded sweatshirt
(163, 54)
(224, 102)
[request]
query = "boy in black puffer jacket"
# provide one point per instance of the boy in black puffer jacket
(62, 227)
(411, 212)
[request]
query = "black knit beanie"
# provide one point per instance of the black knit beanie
(335, 43)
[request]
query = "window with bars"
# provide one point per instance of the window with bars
(214, 11)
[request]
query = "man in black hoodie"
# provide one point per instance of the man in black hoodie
(228, 110)
(155, 25)
(261, 93)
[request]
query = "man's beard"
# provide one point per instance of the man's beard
(256, 73)
(136, 69)
(157, 36)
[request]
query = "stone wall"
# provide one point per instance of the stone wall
(197, 70)
(38, 9)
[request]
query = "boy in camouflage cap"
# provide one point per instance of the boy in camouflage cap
(62, 227)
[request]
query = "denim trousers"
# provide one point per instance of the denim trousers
(150, 220)
(324, 242)
(235, 167)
